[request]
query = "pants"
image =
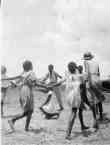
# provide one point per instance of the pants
(27, 114)
(85, 100)
(95, 87)
(99, 109)
(84, 95)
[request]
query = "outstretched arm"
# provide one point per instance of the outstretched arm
(12, 78)
(57, 84)
(40, 84)
(59, 76)
(45, 78)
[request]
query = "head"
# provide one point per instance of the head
(27, 65)
(88, 56)
(72, 67)
(50, 68)
(3, 70)
(80, 68)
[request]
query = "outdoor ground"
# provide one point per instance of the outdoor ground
(50, 132)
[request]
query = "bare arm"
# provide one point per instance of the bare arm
(59, 76)
(12, 78)
(46, 77)
(57, 84)
(40, 84)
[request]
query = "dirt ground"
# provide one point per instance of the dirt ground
(50, 132)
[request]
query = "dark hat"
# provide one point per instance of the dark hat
(88, 56)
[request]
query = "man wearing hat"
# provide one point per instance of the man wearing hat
(93, 83)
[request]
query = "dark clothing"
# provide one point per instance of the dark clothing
(97, 91)
(99, 109)
(84, 94)
(28, 116)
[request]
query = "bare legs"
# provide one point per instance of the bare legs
(72, 119)
(27, 114)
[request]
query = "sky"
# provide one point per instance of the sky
(54, 31)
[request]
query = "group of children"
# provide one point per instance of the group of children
(75, 94)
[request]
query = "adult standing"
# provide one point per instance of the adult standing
(93, 84)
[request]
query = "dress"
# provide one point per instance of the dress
(4, 86)
(51, 107)
(26, 91)
(72, 93)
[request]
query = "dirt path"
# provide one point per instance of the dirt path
(49, 132)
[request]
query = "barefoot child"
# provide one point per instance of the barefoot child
(28, 81)
(73, 97)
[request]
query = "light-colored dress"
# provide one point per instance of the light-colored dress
(26, 91)
(5, 84)
(52, 105)
(72, 91)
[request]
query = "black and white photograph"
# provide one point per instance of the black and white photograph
(55, 75)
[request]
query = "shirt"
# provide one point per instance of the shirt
(52, 78)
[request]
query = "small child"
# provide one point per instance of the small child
(27, 81)
(4, 87)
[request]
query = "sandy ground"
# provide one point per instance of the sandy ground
(50, 132)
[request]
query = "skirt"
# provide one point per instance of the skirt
(51, 106)
(26, 98)
(73, 100)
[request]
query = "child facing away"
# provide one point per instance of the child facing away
(27, 81)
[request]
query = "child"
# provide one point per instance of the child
(4, 86)
(73, 82)
(73, 96)
(28, 80)
(86, 99)
(52, 78)
(49, 106)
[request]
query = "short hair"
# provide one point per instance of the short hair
(50, 66)
(72, 67)
(27, 65)
(3, 69)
